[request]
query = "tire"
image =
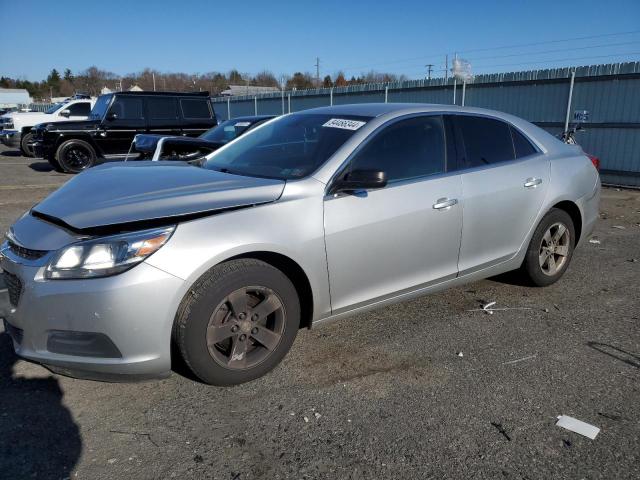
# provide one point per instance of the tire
(546, 262)
(74, 156)
(24, 147)
(54, 163)
(213, 319)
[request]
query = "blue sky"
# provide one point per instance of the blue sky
(286, 36)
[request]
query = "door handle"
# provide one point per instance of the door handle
(532, 182)
(444, 203)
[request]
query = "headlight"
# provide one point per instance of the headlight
(106, 256)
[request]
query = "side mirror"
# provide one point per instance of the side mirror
(112, 116)
(65, 113)
(360, 180)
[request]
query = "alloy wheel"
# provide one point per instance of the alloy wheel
(246, 327)
(554, 249)
(77, 158)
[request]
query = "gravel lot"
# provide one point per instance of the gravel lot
(380, 395)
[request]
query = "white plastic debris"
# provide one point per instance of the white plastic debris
(317, 415)
(594, 240)
(577, 426)
(619, 227)
(460, 354)
(306, 419)
(489, 308)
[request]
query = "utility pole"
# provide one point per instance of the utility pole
(153, 75)
(446, 68)
(429, 68)
(317, 72)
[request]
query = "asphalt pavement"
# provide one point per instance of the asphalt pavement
(430, 388)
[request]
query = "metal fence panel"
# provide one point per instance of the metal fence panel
(611, 94)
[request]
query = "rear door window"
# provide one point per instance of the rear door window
(162, 108)
(521, 145)
(484, 141)
(195, 108)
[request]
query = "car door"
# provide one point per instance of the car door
(123, 121)
(162, 115)
(504, 182)
(384, 242)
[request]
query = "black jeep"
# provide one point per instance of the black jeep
(114, 120)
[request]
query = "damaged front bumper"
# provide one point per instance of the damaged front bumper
(99, 329)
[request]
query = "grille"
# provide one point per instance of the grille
(14, 286)
(26, 253)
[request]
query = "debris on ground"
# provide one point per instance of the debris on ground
(317, 415)
(530, 357)
(489, 308)
(501, 429)
(577, 426)
(460, 354)
(594, 240)
(619, 227)
(632, 260)
(306, 419)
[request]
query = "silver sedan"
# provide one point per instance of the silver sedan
(311, 217)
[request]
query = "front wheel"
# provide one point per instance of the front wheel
(74, 156)
(26, 150)
(551, 249)
(238, 322)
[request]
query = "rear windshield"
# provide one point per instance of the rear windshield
(290, 147)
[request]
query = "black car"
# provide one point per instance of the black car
(115, 120)
(186, 149)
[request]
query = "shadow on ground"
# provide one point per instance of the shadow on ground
(43, 166)
(38, 436)
(617, 353)
(11, 153)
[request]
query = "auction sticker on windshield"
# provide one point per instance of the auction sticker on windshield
(344, 123)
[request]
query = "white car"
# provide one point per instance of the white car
(15, 127)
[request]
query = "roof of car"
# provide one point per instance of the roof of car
(161, 94)
(378, 109)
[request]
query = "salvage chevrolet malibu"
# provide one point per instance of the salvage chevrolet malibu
(312, 216)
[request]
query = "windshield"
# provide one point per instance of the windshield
(290, 147)
(100, 108)
(55, 107)
(226, 131)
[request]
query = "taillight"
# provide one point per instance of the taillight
(595, 160)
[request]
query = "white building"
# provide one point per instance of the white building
(12, 97)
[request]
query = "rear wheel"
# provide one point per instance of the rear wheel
(26, 150)
(74, 156)
(238, 322)
(551, 249)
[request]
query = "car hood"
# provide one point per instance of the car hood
(130, 192)
(74, 124)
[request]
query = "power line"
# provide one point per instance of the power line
(602, 35)
(557, 50)
(499, 47)
(555, 60)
